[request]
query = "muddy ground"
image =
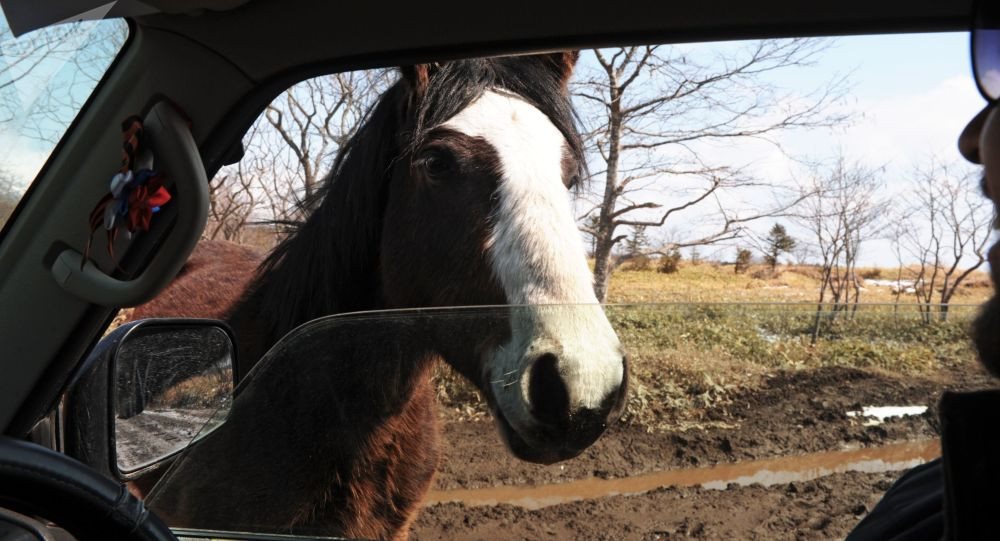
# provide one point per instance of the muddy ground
(792, 413)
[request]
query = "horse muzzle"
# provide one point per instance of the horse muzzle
(558, 384)
(546, 442)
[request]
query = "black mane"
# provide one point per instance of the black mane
(455, 85)
(328, 263)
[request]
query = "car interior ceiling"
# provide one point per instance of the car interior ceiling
(222, 73)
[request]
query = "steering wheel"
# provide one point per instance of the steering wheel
(88, 505)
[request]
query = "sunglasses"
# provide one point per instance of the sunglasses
(986, 49)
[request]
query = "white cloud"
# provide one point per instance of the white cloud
(907, 128)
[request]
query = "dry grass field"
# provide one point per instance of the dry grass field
(703, 334)
(713, 282)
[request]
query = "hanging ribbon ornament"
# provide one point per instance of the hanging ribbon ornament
(135, 193)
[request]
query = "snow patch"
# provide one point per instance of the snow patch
(875, 415)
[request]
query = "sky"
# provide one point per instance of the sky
(913, 94)
(910, 96)
(39, 90)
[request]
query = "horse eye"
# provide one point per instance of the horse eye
(437, 162)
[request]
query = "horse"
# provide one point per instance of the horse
(455, 190)
(208, 285)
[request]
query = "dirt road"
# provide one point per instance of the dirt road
(800, 414)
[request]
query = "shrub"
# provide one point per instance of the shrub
(670, 262)
(743, 259)
(637, 263)
(871, 274)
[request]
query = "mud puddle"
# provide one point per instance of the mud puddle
(767, 472)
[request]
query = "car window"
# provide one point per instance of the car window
(45, 78)
(751, 407)
(730, 275)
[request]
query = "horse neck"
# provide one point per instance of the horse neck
(329, 264)
(360, 397)
(345, 416)
(297, 289)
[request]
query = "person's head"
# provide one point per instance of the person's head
(980, 143)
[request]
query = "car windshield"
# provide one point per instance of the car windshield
(45, 78)
(739, 276)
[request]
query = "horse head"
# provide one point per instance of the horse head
(477, 211)
(456, 191)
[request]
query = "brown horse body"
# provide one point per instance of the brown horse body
(386, 469)
(209, 284)
(453, 192)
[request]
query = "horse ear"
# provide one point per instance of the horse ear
(418, 76)
(562, 63)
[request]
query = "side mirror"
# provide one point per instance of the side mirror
(171, 382)
(147, 391)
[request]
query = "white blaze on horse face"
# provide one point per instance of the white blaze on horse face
(537, 255)
(536, 251)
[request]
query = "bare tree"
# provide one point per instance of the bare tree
(288, 150)
(231, 203)
(947, 226)
(234, 195)
(649, 110)
(802, 253)
(307, 124)
(39, 96)
(843, 209)
(898, 231)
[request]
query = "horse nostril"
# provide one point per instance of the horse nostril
(547, 392)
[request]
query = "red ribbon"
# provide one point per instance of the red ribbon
(141, 200)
